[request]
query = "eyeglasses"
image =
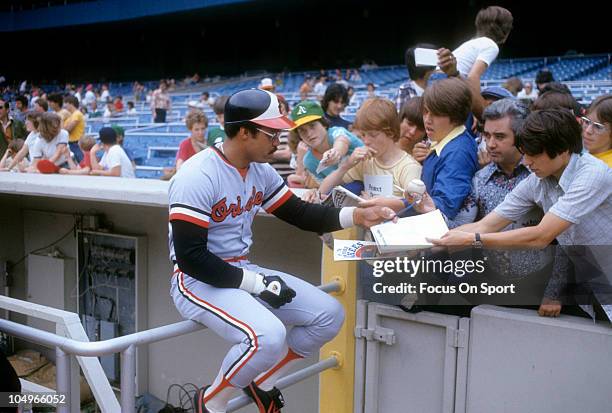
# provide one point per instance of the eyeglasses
(272, 136)
(597, 127)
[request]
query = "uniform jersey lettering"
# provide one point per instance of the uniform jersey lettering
(220, 211)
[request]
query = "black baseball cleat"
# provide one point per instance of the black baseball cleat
(266, 401)
(198, 401)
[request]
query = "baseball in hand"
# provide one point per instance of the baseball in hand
(415, 186)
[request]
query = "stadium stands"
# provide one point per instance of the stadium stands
(154, 145)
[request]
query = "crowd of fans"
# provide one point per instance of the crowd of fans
(470, 147)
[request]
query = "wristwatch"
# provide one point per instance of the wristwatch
(477, 243)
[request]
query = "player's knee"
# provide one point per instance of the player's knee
(271, 338)
(331, 318)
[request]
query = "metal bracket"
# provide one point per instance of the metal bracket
(460, 338)
(380, 334)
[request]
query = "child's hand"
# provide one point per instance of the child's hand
(420, 151)
(361, 154)
(447, 62)
(331, 157)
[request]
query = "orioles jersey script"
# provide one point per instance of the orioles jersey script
(214, 194)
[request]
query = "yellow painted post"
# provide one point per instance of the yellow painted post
(336, 385)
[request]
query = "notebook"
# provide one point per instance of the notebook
(409, 233)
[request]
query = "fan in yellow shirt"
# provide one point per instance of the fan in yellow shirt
(379, 126)
(75, 125)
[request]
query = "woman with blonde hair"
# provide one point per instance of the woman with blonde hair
(48, 151)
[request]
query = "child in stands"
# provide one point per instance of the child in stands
(326, 146)
(379, 125)
(84, 167)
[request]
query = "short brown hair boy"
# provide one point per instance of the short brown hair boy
(495, 23)
(412, 111)
(449, 97)
(196, 116)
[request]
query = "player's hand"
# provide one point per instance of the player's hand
(549, 308)
(420, 151)
(447, 62)
(276, 292)
(372, 215)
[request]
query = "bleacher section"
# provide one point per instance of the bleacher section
(155, 145)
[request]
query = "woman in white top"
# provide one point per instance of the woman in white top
(31, 123)
(51, 143)
(115, 161)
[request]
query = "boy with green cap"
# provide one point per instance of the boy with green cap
(326, 146)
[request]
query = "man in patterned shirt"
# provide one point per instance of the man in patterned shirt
(492, 183)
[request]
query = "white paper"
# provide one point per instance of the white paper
(353, 250)
(378, 185)
(425, 57)
(409, 233)
(342, 197)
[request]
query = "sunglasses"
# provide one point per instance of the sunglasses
(597, 127)
(270, 135)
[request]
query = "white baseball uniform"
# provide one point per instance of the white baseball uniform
(212, 194)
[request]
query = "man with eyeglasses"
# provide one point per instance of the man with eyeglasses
(214, 198)
(574, 190)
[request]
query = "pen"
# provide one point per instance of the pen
(401, 211)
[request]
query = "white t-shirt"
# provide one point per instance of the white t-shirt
(90, 98)
(116, 156)
(320, 89)
(45, 150)
(523, 94)
(481, 48)
(105, 95)
(31, 141)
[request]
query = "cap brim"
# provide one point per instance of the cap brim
(276, 123)
(306, 119)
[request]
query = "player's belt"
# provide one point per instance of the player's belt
(231, 259)
(236, 259)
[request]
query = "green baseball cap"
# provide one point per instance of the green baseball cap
(215, 136)
(306, 111)
(118, 130)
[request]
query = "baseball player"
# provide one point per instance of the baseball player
(213, 200)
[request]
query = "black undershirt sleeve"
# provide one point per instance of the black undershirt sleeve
(309, 217)
(194, 258)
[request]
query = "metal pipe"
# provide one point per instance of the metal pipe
(128, 379)
(99, 348)
(331, 287)
(62, 377)
(288, 380)
(117, 344)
